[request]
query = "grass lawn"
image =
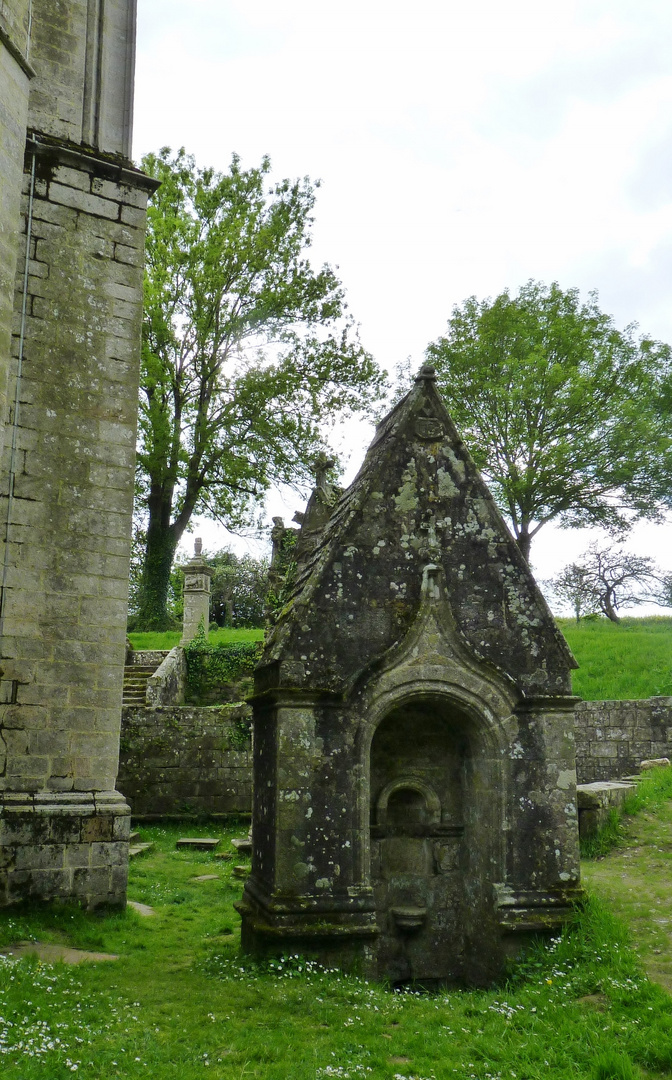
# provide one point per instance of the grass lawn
(632, 659)
(181, 1002)
(171, 638)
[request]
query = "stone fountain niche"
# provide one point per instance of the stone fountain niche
(425, 850)
(414, 774)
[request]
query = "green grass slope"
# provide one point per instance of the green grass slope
(171, 638)
(632, 659)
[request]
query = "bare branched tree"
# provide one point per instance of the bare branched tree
(605, 579)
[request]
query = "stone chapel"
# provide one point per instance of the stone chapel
(414, 771)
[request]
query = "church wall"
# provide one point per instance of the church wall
(14, 88)
(66, 577)
(66, 492)
(83, 52)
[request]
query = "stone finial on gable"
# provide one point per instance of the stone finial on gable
(427, 373)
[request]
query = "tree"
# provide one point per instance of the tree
(574, 585)
(238, 589)
(246, 350)
(605, 579)
(558, 407)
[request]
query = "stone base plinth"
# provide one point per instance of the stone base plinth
(337, 934)
(68, 847)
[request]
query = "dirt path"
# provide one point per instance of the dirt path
(636, 881)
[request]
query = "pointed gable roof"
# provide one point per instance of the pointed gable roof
(417, 499)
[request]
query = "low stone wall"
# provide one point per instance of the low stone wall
(186, 762)
(167, 685)
(612, 737)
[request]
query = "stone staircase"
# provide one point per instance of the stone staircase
(137, 675)
(135, 683)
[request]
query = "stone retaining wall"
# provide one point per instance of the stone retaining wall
(189, 762)
(183, 761)
(612, 737)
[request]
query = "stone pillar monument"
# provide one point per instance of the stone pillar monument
(197, 576)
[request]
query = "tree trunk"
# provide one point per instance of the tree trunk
(162, 540)
(524, 542)
(608, 608)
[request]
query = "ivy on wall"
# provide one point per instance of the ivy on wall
(213, 668)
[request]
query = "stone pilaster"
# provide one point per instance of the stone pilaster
(15, 75)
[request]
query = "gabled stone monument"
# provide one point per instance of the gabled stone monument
(414, 775)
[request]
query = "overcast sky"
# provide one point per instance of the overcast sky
(462, 149)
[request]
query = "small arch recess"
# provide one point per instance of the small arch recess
(400, 793)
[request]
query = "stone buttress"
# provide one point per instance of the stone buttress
(73, 215)
(414, 774)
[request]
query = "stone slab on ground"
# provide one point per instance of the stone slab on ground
(52, 954)
(205, 877)
(139, 849)
(241, 871)
(142, 909)
(223, 856)
(595, 801)
(243, 846)
(197, 843)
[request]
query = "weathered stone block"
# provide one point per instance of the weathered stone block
(78, 200)
(98, 828)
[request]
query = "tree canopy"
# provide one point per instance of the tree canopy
(559, 408)
(247, 350)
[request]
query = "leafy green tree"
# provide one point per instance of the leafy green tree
(246, 351)
(607, 578)
(559, 408)
(574, 586)
(238, 589)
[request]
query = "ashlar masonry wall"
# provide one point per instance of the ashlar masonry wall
(612, 737)
(15, 76)
(184, 761)
(68, 499)
(72, 220)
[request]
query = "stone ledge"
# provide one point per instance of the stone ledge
(113, 167)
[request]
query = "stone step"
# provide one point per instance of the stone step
(244, 846)
(139, 849)
(197, 843)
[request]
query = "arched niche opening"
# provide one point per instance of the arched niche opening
(434, 832)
